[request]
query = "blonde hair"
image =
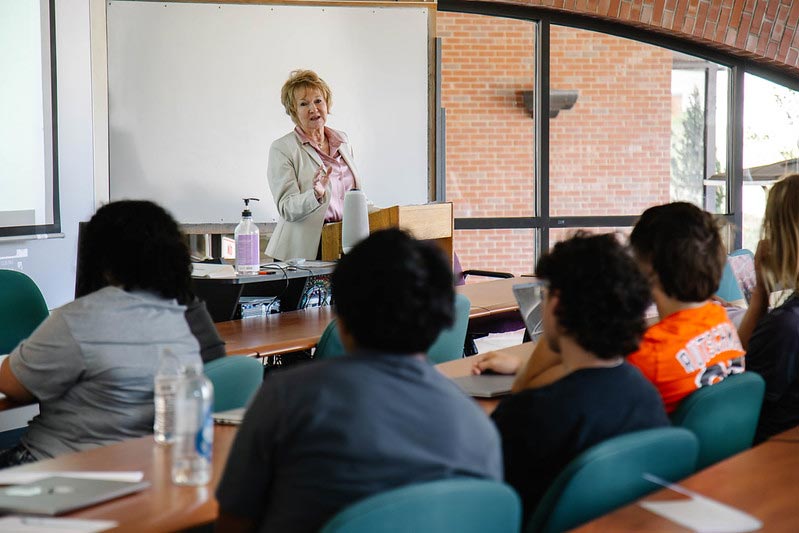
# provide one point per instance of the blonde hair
(303, 79)
(781, 228)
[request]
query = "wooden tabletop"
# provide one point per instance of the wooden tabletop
(300, 330)
(165, 506)
(763, 482)
(277, 333)
(492, 297)
(162, 507)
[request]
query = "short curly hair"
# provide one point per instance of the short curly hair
(602, 294)
(303, 79)
(394, 293)
(684, 246)
(137, 245)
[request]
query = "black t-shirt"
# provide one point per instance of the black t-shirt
(544, 429)
(319, 437)
(774, 354)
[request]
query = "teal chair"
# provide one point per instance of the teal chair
(610, 475)
(723, 416)
(22, 308)
(236, 378)
(448, 345)
(462, 505)
(738, 278)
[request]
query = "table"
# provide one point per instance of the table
(762, 481)
(165, 506)
(300, 330)
(491, 298)
(162, 507)
(277, 333)
(221, 295)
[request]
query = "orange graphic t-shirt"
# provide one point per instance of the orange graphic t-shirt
(688, 350)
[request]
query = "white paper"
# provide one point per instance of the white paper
(210, 270)
(27, 524)
(704, 515)
(10, 477)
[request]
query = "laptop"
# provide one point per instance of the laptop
(528, 296)
(485, 385)
(231, 417)
(57, 495)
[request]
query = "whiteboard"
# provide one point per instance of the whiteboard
(194, 99)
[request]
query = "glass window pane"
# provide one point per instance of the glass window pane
(487, 64)
(647, 126)
(771, 147)
(500, 250)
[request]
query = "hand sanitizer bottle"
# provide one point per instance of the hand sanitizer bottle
(248, 252)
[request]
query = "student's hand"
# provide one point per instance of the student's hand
(497, 362)
(761, 258)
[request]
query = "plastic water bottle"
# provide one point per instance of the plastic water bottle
(165, 389)
(248, 247)
(191, 452)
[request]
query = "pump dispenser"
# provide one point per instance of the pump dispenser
(248, 252)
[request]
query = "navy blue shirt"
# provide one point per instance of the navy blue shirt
(319, 437)
(544, 429)
(774, 354)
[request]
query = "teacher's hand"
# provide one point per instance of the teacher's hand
(320, 180)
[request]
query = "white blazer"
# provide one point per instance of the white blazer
(290, 172)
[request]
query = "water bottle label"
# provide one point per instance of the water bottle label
(204, 439)
(247, 250)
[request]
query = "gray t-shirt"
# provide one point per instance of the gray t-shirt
(322, 436)
(91, 365)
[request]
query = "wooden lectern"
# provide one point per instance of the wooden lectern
(426, 222)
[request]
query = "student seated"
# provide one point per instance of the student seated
(319, 437)
(91, 363)
(587, 392)
(679, 248)
(771, 337)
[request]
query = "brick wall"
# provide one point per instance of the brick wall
(609, 155)
(764, 30)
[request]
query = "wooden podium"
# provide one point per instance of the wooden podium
(426, 222)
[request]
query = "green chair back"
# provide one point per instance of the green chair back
(22, 308)
(462, 505)
(236, 378)
(723, 416)
(329, 344)
(610, 475)
(447, 346)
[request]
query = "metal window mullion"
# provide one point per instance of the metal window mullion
(541, 178)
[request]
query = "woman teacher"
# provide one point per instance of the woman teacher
(310, 169)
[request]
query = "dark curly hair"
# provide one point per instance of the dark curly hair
(393, 293)
(602, 293)
(135, 244)
(683, 244)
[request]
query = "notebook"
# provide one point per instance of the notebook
(485, 385)
(231, 417)
(56, 495)
(528, 296)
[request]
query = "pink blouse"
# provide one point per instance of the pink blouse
(341, 177)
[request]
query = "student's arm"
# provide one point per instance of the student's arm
(542, 368)
(45, 365)
(758, 304)
(11, 387)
